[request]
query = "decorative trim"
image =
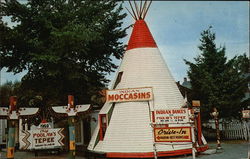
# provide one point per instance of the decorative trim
(151, 154)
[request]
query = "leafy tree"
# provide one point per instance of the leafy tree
(216, 81)
(6, 90)
(67, 46)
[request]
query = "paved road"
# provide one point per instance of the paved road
(231, 150)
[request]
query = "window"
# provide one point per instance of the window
(118, 79)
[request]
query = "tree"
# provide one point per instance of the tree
(216, 81)
(6, 90)
(67, 46)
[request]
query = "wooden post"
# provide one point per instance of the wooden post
(215, 114)
(248, 138)
(199, 128)
(71, 122)
(193, 141)
(72, 148)
(12, 129)
(196, 105)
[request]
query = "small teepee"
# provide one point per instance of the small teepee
(124, 128)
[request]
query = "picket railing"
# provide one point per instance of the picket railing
(238, 130)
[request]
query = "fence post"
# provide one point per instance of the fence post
(245, 129)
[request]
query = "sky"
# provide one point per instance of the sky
(176, 28)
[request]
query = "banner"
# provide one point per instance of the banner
(129, 95)
(173, 134)
(166, 116)
(43, 138)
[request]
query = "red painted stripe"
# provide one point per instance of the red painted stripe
(151, 154)
(100, 128)
(199, 129)
(153, 116)
(141, 36)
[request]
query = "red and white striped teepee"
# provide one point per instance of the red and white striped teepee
(124, 129)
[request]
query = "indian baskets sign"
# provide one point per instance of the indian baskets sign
(129, 95)
(167, 116)
(173, 134)
(42, 138)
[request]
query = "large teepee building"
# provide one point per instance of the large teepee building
(125, 128)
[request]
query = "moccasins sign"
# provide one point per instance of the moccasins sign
(130, 94)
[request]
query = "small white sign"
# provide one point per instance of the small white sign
(168, 116)
(42, 138)
(44, 126)
(246, 113)
(130, 94)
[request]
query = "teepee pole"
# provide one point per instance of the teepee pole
(137, 10)
(130, 13)
(147, 9)
(140, 9)
(132, 10)
(143, 9)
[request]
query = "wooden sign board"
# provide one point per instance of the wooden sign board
(246, 113)
(129, 95)
(173, 134)
(42, 138)
(196, 103)
(168, 116)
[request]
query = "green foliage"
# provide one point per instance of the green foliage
(216, 81)
(6, 90)
(67, 46)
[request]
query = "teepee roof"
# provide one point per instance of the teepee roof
(141, 36)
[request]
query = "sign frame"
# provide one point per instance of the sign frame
(108, 92)
(30, 141)
(186, 127)
(170, 116)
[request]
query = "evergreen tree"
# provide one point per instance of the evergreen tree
(215, 81)
(67, 46)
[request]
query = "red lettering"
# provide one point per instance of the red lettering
(116, 97)
(130, 96)
(111, 97)
(121, 96)
(148, 95)
(135, 95)
(126, 96)
(143, 95)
